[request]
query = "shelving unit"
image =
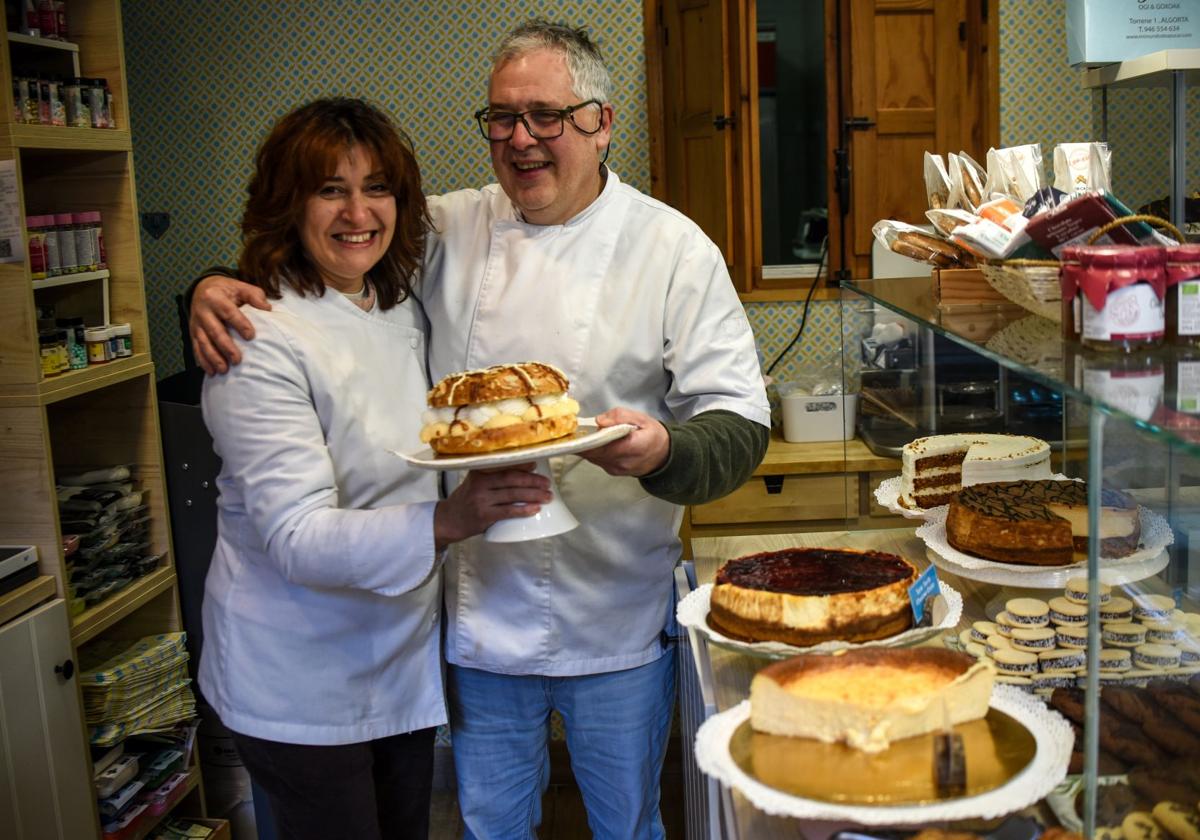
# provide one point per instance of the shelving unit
(104, 414)
(1172, 69)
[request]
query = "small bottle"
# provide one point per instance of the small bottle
(85, 242)
(98, 350)
(43, 86)
(122, 340)
(47, 19)
(78, 113)
(53, 256)
(110, 115)
(1183, 295)
(35, 241)
(25, 104)
(31, 20)
(76, 341)
(64, 227)
(60, 18)
(49, 350)
(58, 112)
(93, 91)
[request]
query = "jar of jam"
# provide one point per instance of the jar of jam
(1068, 278)
(1122, 290)
(1133, 382)
(1183, 295)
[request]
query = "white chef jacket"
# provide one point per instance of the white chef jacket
(322, 605)
(633, 302)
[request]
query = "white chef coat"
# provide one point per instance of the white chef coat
(322, 605)
(633, 302)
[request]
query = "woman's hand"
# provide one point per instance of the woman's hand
(214, 310)
(485, 497)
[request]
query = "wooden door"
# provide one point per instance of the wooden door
(46, 791)
(920, 75)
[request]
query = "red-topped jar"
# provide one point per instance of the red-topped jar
(1183, 295)
(1122, 290)
(1068, 277)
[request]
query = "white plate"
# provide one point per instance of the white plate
(1050, 730)
(692, 611)
(585, 437)
(1150, 558)
(888, 496)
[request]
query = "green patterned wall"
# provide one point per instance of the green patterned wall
(207, 78)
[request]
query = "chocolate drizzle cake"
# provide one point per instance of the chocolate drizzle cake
(1039, 523)
(805, 596)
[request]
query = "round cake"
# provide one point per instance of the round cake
(805, 596)
(935, 468)
(1038, 523)
(500, 407)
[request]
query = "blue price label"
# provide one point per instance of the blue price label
(923, 588)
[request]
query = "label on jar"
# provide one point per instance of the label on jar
(1137, 393)
(1187, 387)
(1077, 314)
(1131, 313)
(1188, 292)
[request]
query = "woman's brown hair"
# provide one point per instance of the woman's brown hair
(301, 152)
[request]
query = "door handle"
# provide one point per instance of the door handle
(857, 123)
(721, 121)
(67, 669)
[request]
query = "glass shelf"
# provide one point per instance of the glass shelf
(1130, 387)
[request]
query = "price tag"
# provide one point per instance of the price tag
(921, 592)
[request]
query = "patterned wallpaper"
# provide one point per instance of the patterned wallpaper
(207, 79)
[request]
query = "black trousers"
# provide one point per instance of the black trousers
(376, 790)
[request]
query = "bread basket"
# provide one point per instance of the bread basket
(1034, 284)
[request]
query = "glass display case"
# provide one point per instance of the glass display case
(1122, 647)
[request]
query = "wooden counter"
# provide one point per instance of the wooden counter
(837, 456)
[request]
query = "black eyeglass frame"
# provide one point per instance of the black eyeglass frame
(564, 114)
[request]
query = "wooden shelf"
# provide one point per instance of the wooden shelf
(76, 382)
(70, 139)
(25, 597)
(89, 623)
(1150, 70)
(46, 43)
(71, 279)
(150, 823)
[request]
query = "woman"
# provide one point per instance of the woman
(322, 605)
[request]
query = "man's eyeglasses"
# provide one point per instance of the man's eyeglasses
(541, 123)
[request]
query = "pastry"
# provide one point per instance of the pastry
(1115, 661)
(1035, 639)
(996, 642)
(1049, 680)
(1077, 591)
(1155, 656)
(1071, 637)
(1016, 663)
(1069, 701)
(1027, 612)
(1015, 680)
(1065, 611)
(980, 630)
(1138, 825)
(1062, 660)
(1040, 523)
(869, 697)
(1152, 607)
(1123, 635)
(934, 468)
(804, 596)
(1180, 821)
(1118, 610)
(1165, 632)
(1004, 624)
(496, 408)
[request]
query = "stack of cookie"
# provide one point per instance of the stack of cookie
(1041, 646)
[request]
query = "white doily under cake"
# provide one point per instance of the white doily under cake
(1050, 730)
(888, 496)
(1145, 561)
(692, 611)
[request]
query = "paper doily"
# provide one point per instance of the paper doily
(1156, 535)
(692, 611)
(888, 496)
(1050, 730)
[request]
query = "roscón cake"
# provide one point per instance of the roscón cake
(870, 697)
(1038, 523)
(934, 468)
(805, 596)
(499, 407)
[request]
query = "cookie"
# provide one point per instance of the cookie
(1155, 656)
(1180, 821)
(1004, 624)
(1165, 632)
(1117, 610)
(1071, 637)
(1114, 660)
(1048, 680)
(1077, 591)
(980, 630)
(1062, 660)
(996, 642)
(1139, 825)
(1152, 607)
(1035, 639)
(975, 649)
(1064, 611)
(1027, 612)
(1016, 663)
(964, 636)
(1127, 635)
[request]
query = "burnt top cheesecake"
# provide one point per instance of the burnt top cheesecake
(805, 596)
(1039, 523)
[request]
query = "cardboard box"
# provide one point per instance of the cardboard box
(953, 286)
(1106, 31)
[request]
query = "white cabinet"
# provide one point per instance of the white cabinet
(45, 792)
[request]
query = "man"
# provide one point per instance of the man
(563, 263)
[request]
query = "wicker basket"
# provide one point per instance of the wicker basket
(1034, 285)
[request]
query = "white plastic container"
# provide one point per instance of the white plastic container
(813, 419)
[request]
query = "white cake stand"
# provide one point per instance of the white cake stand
(554, 516)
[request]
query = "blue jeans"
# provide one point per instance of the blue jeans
(616, 726)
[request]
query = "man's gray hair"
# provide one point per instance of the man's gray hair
(589, 76)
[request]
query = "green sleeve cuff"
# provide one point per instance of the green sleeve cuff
(710, 456)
